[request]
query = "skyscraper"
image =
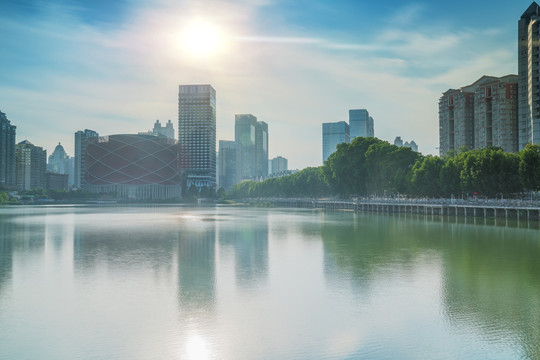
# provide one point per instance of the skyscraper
(261, 146)
(361, 124)
(7, 151)
(529, 76)
(245, 129)
(30, 166)
(334, 134)
(80, 156)
(230, 164)
(252, 135)
(197, 135)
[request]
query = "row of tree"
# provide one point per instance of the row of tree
(369, 166)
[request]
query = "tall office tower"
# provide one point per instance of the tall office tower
(279, 164)
(361, 124)
(80, 156)
(245, 134)
(334, 134)
(456, 120)
(197, 135)
(166, 131)
(371, 128)
(261, 149)
(7, 151)
(482, 114)
(398, 141)
(30, 166)
(230, 164)
(529, 76)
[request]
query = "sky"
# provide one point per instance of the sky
(115, 66)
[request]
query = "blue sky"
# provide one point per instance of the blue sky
(115, 66)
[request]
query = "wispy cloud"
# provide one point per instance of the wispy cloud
(66, 75)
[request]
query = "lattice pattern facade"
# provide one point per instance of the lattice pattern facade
(141, 167)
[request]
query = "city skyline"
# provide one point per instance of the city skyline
(116, 68)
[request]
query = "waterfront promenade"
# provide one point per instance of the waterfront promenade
(527, 210)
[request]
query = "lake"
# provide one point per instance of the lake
(173, 282)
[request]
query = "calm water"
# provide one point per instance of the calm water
(238, 283)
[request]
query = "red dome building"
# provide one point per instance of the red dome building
(139, 167)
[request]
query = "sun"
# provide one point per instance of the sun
(201, 38)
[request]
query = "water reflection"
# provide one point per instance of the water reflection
(489, 276)
(237, 283)
(196, 267)
(248, 241)
(491, 283)
(7, 231)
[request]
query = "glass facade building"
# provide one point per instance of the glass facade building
(334, 134)
(7, 151)
(197, 135)
(361, 124)
(230, 164)
(252, 135)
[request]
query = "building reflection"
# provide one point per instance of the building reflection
(7, 232)
(26, 237)
(361, 246)
(130, 246)
(249, 243)
(196, 267)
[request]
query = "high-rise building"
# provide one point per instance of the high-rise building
(361, 124)
(58, 161)
(30, 166)
(398, 141)
(479, 115)
(80, 156)
(334, 134)
(166, 131)
(279, 165)
(496, 113)
(245, 129)
(261, 148)
(230, 164)
(7, 151)
(197, 135)
(252, 135)
(529, 76)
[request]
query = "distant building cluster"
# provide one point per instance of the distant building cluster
(149, 165)
(360, 124)
(245, 158)
(497, 111)
(399, 143)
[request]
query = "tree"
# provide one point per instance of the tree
(529, 167)
(426, 176)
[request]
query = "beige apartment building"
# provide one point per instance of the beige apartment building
(479, 115)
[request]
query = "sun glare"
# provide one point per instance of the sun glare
(201, 38)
